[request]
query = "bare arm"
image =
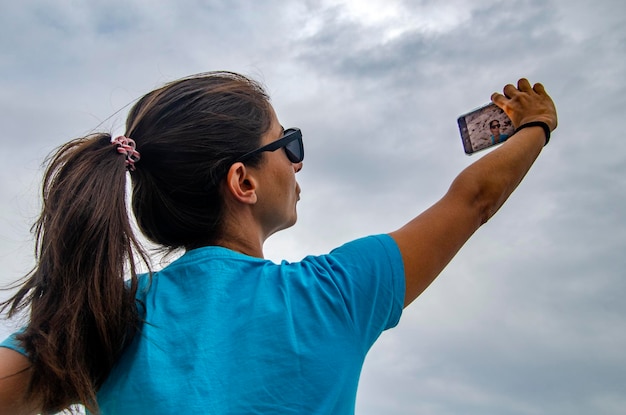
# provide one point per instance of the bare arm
(14, 378)
(431, 240)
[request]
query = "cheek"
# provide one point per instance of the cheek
(287, 174)
(287, 184)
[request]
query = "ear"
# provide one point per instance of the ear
(241, 185)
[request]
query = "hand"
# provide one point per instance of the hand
(526, 104)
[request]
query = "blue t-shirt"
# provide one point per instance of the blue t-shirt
(503, 137)
(226, 333)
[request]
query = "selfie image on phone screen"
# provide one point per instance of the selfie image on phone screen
(484, 127)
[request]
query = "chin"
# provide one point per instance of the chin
(292, 222)
(288, 224)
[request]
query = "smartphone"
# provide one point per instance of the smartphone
(484, 127)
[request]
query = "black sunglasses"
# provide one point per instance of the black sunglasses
(495, 126)
(291, 141)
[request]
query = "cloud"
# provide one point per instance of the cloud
(528, 318)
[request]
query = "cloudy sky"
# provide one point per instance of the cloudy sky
(529, 318)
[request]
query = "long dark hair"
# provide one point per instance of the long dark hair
(82, 310)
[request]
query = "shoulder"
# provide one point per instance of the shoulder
(368, 273)
(377, 254)
(15, 377)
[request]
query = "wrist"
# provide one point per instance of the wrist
(543, 125)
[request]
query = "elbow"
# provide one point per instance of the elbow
(478, 199)
(485, 204)
(485, 213)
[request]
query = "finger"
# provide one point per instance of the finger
(524, 85)
(498, 99)
(538, 88)
(509, 90)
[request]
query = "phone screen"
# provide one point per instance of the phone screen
(484, 127)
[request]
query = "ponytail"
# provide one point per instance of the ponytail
(82, 312)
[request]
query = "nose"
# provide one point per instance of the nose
(297, 166)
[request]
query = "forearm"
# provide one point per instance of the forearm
(429, 241)
(486, 184)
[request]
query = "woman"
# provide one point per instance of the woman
(221, 330)
(496, 137)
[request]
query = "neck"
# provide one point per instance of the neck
(243, 246)
(241, 233)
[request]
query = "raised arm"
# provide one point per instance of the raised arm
(431, 240)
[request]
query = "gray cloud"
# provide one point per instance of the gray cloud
(528, 319)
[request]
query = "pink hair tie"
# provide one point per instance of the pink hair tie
(126, 146)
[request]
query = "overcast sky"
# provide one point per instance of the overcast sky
(530, 317)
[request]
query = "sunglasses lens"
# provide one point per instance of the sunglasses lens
(293, 152)
(294, 149)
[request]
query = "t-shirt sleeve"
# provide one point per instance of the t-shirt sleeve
(12, 343)
(369, 275)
